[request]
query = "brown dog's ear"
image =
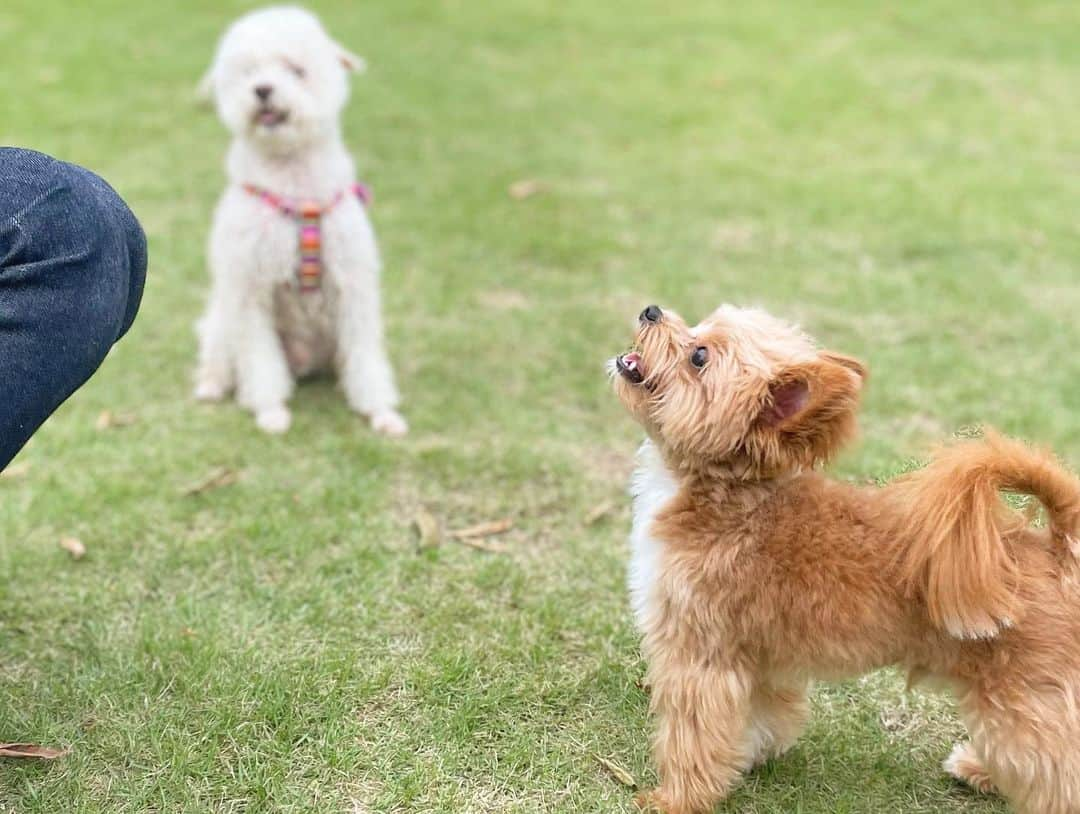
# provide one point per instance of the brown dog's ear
(808, 413)
(851, 363)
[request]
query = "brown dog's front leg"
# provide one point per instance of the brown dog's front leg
(700, 744)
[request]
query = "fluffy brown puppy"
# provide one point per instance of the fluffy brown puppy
(752, 573)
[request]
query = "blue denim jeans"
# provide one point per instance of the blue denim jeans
(72, 265)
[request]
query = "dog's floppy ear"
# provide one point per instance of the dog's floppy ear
(204, 91)
(808, 412)
(351, 61)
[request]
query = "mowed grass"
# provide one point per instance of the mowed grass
(899, 178)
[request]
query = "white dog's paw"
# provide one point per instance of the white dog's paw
(389, 422)
(274, 420)
(210, 391)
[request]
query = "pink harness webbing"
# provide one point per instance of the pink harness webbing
(308, 215)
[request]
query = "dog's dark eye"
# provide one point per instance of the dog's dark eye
(699, 357)
(296, 69)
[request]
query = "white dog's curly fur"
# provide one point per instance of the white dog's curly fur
(280, 83)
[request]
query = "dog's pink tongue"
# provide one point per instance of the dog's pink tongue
(632, 360)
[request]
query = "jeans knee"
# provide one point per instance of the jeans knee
(90, 225)
(134, 245)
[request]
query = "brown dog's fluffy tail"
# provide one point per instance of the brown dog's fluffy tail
(961, 537)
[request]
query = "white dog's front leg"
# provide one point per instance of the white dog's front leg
(366, 374)
(214, 374)
(263, 381)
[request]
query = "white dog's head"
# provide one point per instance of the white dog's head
(279, 80)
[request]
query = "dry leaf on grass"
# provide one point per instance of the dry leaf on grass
(214, 479)
(428, 529)
(599, 511)
(108, 420)
(525, 188)
(617, 771)
(489, 529)
(482, 545)
(30, 750)
(73, 546)
(473, 536)
(16, 470)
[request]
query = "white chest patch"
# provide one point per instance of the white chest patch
(651, 487)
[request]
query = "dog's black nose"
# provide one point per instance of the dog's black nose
(263, 92)
(651, 314)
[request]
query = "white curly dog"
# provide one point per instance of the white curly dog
(293, 258)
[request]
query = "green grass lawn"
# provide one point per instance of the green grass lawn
(901, 179)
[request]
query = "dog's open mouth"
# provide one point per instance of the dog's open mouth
(629, 367)
(270, 116)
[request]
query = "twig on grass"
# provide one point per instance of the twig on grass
(489, 529)
(30, 750)
(618, 772)
(214, 479)
(473, 536)
(598, 512)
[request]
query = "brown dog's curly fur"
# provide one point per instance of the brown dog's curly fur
(756, 573)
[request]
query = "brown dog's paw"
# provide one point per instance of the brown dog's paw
(655, 802)
(646, 801)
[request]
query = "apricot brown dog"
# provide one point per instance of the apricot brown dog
(753, 574)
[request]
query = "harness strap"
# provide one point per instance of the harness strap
(308, 215)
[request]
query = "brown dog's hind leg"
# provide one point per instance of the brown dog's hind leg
(778, 717)
(965, 765)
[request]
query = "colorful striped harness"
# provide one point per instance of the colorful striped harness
(309, 214)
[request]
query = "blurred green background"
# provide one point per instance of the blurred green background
(897, 177)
